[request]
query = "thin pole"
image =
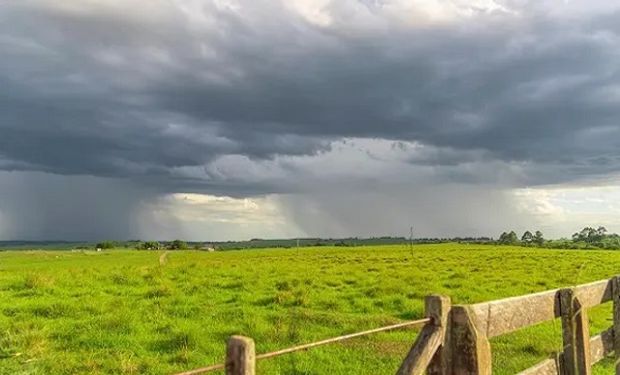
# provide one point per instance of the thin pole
(411, 240)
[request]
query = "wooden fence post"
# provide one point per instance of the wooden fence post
(470, 348)
(438, 309)
(575, 334)
(429, 340)
(240, 356)
(615, 292)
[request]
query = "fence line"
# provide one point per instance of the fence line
(455, 339)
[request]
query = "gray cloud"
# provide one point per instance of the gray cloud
(47, 207)
(238, 99)
(97, 91)
(447, 210)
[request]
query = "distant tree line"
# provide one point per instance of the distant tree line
(591, 235)
(155, 245)
(147, 245)
(510, 238)
(106, 245)
(587, 238)
(599, 238)
(257, 243)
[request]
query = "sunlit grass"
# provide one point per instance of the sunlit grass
(124, 312)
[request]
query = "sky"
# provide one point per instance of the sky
(238, 119)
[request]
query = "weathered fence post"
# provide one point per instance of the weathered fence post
(438, 309)
(575, 334)
(615, 293)
(470, 348)
(240, 356)
(428, 345)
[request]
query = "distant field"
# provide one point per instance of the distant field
(122, 312)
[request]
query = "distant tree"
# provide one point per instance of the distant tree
(512, 237)
(105, 245)
(150, 245)
(502, 237)
(590, 235)
(508, 238)
(538, 238)
(583, 234)
(527, 237)
(178, 245)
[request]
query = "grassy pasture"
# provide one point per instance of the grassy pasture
(124, 312)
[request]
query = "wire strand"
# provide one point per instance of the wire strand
(297, 348)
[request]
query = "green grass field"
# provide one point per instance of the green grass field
(124, 312)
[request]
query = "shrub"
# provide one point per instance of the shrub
(149, 245)
(105, 245)
(178, 245)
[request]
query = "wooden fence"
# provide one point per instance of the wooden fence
(454, 340)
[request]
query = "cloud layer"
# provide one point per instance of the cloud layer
(244, 99)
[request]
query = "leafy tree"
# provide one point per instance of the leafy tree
(502, 237)
(508, 238)
(150, 245)
(512, 237)
(527, 237)
(178, 245)
(105, 245)
(590, 235)
(538, 238)
(584, 234)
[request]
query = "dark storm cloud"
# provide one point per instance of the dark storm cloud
(474, 210)
(46, 207)
(94, 89)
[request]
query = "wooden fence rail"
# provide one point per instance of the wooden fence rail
(454, 340)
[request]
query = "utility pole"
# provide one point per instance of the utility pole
(411, 240)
